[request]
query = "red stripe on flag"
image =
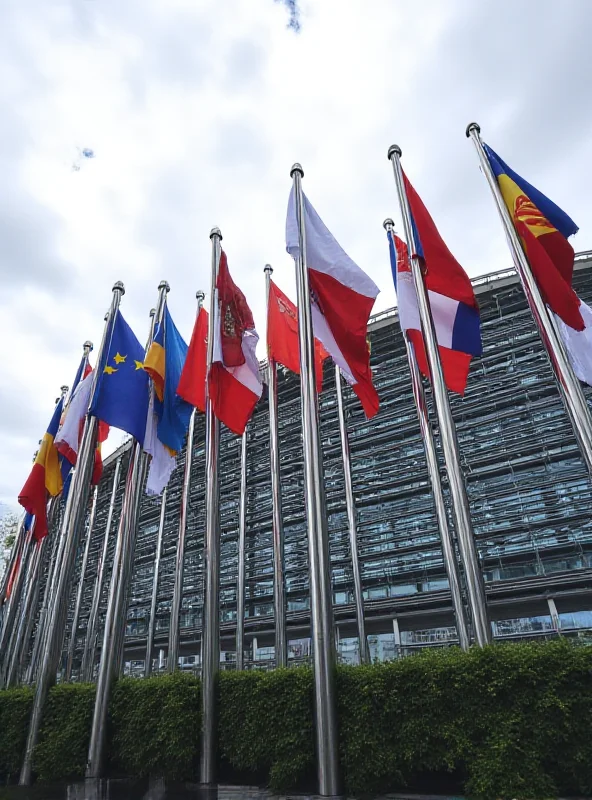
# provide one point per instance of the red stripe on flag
(455, 365)
(33, 498)
(232, 402)
(192, 383)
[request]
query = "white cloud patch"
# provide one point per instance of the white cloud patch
(196, 112)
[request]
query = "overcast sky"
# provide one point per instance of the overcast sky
(196, 110)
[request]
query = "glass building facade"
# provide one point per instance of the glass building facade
(529, 491)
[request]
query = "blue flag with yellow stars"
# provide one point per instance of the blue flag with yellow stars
(164, 363)
(121, 397)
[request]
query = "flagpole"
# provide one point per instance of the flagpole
(115, 618)
(57, 549)
(242, 535)
(80, 589)
(324, 656)
(73, 516)
(427, 435)
(22, 633)
(569, 385)
(90, 644)
(210, 649)
(15, 553)
(155, 580)
(352, 523)
(174, 626)
(458, 492)
(279, 585)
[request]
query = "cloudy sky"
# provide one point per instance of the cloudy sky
(196, 110)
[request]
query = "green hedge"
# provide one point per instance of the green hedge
(509, 721)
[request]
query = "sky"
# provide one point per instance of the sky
(195, 111)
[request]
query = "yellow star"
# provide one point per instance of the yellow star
(119, 359)
(110, 370)
(139, 364)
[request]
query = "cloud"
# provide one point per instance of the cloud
(196, 112)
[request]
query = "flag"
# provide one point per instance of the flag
(234, 384)
(68, 437)
(45, 477)
(168, 414)
(450, 293)
(121, 395)
(342, 297)
(192, 384)
(164, 363)
(544, 229)
(282, 335)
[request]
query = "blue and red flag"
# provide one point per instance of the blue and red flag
(45, 478)
(454, 308)
(544, 229)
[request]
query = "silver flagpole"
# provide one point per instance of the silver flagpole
(15, 553)
(153, 599)
(55, 563)
(174, 627)
(71, 524)
(569, 385)
(352, 523)
(427, 435)
(279, 585)
(210, 648)
(240, 583)
(90, 643)
(115, 618)
(458, 491)
(324, 656)
(22, 632)
(80, 590)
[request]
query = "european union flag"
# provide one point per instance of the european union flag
(164, 363)
(121, 397)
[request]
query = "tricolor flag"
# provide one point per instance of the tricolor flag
(544, 229)
(45, 477)
(234, 383)
(282, 335)
(452, 301)
(168, 414)
(192, 384)
(342, 297)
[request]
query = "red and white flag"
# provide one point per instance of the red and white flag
(342, 297)
(282, 335)
(233, 382)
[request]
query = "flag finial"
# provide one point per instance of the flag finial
(472, 126)
(199, 295)
(296, 168)
(164, 285)
(215, 232)
(388, 223)
(268, 269)
(119, 287)
(88, 345)
(152, 312)
(394, 149)
(64, 390)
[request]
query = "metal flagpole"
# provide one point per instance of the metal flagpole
(15, 553)
(427, 435)
(174, 627)
(569, 385)
(115, 618)
(318, 544)
(152, 618)
(240, 583)
(22, 632)
(80, 590)
(55, 563)
(458, 491)
(90, 643)
(71, 524)
(352, 523)
(210, 649)
(279, 587)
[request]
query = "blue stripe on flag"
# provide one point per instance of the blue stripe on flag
(466, 333)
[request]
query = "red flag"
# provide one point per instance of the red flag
(192, 383)
(282, 335)
(234, 383)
